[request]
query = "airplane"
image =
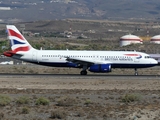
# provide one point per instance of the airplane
(93, 61)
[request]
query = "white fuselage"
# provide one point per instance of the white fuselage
(118, 59)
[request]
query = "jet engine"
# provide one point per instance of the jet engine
(100, 68)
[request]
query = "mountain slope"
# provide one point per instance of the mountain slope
(85, 9)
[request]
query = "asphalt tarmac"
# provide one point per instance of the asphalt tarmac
(77, 76)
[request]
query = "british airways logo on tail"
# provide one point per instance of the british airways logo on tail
(18, 42)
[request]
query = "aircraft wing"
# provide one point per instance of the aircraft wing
(87, 62)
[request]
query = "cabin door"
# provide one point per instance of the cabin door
(34, 56)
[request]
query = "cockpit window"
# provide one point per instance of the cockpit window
(147, 57)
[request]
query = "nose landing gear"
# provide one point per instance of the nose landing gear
(136, 72)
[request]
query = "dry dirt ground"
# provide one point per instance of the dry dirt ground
(70, 98)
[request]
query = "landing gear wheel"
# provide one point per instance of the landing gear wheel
(136, 72)
(83, 72)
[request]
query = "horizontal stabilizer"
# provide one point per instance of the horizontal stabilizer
(11, 53)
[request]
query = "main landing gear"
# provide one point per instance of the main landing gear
(84, 71)
(136, 72)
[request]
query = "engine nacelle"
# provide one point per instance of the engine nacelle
(101, 68)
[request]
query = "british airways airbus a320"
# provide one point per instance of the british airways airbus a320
(93, 61)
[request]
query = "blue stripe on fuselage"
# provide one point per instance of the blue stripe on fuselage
(58, 64)
(112, 65)
(132, 65)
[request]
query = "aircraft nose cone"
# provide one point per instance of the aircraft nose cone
(155, 62)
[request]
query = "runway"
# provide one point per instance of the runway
(75, 81)
(77, 76)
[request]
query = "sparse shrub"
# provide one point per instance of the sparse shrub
(1, 116)
(66, 101)
(25, 110)
(88, 102)
(31, 71)
(42, 101)
(91, 116)
(130, 98)
(80, 113)
(23, 100)
(4, 100)
(58, 114)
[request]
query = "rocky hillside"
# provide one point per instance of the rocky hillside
(32, 10)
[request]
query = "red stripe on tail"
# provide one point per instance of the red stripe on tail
(13, 33)
(27, 48)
